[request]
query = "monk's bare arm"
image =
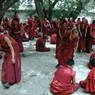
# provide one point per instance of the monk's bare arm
(11, 48)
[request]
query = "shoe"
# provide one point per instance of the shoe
(23, 55)
(58, 65)
(6, 85)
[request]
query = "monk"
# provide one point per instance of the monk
(6, 24)
(92, 35)
(68, 46)
(83, 32)
(1, 29)
(64, 80)
(11, 67)
(16, 28)
(89, 83)
(53, 38)
(40, 44)
(89, 39)
(46, 26)
(91, 58)
(61, 25)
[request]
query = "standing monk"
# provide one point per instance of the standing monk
(69, 46)
(11, 68)
(16, 32)
(83, 31)
(61, 25)
(91, 40)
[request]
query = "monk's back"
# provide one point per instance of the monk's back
(64, 75)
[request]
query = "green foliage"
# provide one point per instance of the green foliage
(16, 6)
(56, 8)
(69, 8)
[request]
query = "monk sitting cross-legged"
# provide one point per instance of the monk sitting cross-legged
(63, 81)
(40, 44)
(89, 83)
(92, 57)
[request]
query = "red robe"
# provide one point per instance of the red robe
(92, 56)
(62, 82)
(67, 49)
(6, 24)
(15, 33)
(82, 41)
(89, 39)
(89, 83)
(35, 32)
(47, 27)
(93, 33)
(61, 29)
(28, 31)
(1, 29)
(40, 45)
(53, 38)
(11, 73)
(36, 22)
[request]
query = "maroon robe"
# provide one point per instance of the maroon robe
(67, 49)
(15, 33)
(1, 29)
(62, 82)
(82, 41)
(11, 73)
(46, 27)
(35, 32)
(6, 24)
(89, 39)
(89, 83)
(92, 32)
(60, 29)
(40, 45)
(92, 56)
(28, 31)
(53, 38)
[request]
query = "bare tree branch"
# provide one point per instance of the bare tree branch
(5, 5)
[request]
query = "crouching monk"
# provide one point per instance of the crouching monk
(63, 82)
(40, 44)
(11, 67)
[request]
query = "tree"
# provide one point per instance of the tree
(72, 8)
(39, 9)
(44, 8)
(69, 8)
(50, 9)
(16, 6)
(5, 5)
